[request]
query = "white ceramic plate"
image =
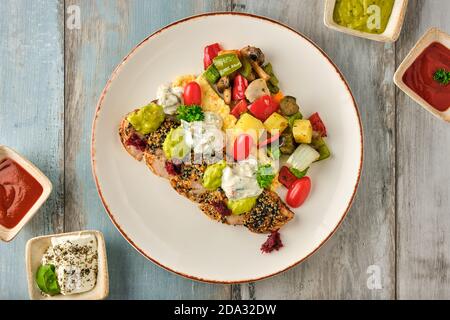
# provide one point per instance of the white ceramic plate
(170, 230)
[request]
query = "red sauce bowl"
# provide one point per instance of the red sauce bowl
(23, 190)
(415, 74)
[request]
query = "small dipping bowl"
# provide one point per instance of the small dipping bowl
(393, 28)
(35, 250)
(8, 233)
(431, 36)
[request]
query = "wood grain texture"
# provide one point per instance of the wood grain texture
(31, 117)
(339, 269)
(109, 30)
(423, 229)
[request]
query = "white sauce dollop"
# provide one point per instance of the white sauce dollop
(169, 98)
(203, 138)
(240, 181)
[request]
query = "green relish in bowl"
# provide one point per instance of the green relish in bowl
(371, 16)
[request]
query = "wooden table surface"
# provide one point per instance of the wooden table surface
(398, 229)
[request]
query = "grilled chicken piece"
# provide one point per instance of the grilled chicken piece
(269, 214)
(132, 140)
(157, 163)
(188, 182)
(214, 206)
(213, 203)
(136, 143)
(156, 139)
(154, 156)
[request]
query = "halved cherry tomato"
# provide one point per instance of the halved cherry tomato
(298, 192)
(192, 94)
(242, 147)
(263, 107)
(286, 177)
(318, 125)
(239, 108)
(269, 140)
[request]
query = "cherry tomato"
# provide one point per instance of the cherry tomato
(242, 147)
(192, 94)
(286, 177)
(298, 192)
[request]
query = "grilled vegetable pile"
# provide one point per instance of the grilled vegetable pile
(227, 138)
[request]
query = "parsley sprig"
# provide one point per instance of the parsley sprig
(265, 175)
(190, 113)
(442, 76)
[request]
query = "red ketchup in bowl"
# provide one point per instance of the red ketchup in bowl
(420, 76)
(19, 191)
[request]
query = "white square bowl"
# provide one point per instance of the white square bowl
(35, 250)
(393, 28)
(432, 35)
(7, 234)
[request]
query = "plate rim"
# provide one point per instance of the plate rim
(105, 91)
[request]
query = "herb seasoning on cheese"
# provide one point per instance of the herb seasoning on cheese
(75, 261)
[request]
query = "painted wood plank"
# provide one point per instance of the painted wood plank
(423, 231)
(109, 30)
(366, 237)
(31, 117)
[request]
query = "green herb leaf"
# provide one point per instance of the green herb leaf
(442, 76)
(299, 174)
(47, 280)
(190, 113)
(265, 175)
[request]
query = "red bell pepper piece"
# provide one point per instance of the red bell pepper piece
(263, 107)
(239, 108)
(318, 125)
(209, 53)
(286, 177)
(240, 84)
